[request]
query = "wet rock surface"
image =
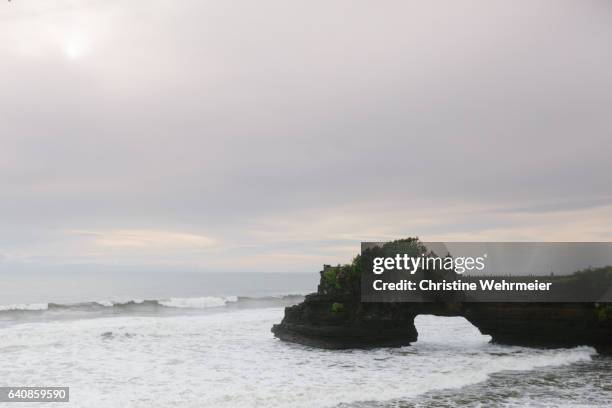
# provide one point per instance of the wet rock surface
(335, 318)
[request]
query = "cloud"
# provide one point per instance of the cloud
(147, 240)
(187, 132)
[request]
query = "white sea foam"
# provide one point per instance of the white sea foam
(173, 302)
(25, 306)
(198, 302)
(232, 360)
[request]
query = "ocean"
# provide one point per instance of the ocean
(204, 340)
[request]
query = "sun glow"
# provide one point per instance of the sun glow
(76, 47)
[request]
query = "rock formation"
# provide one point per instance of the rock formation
(335, 318)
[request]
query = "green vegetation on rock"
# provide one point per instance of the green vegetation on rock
(346, 279)
(331, 277)
(337, 307)
(604, 312)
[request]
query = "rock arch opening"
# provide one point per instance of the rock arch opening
(447, 331)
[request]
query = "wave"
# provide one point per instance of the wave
(197, 303)
(28, 307)
(206, 302)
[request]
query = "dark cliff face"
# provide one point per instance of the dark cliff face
(338, 322)
(335, 318)
(543, 324)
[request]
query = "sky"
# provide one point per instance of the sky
(276, 136)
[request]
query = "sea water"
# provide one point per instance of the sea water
(204, 340)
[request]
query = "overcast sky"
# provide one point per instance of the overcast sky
(277, 135)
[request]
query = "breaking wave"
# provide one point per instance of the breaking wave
(134, 305)
(28, 306)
